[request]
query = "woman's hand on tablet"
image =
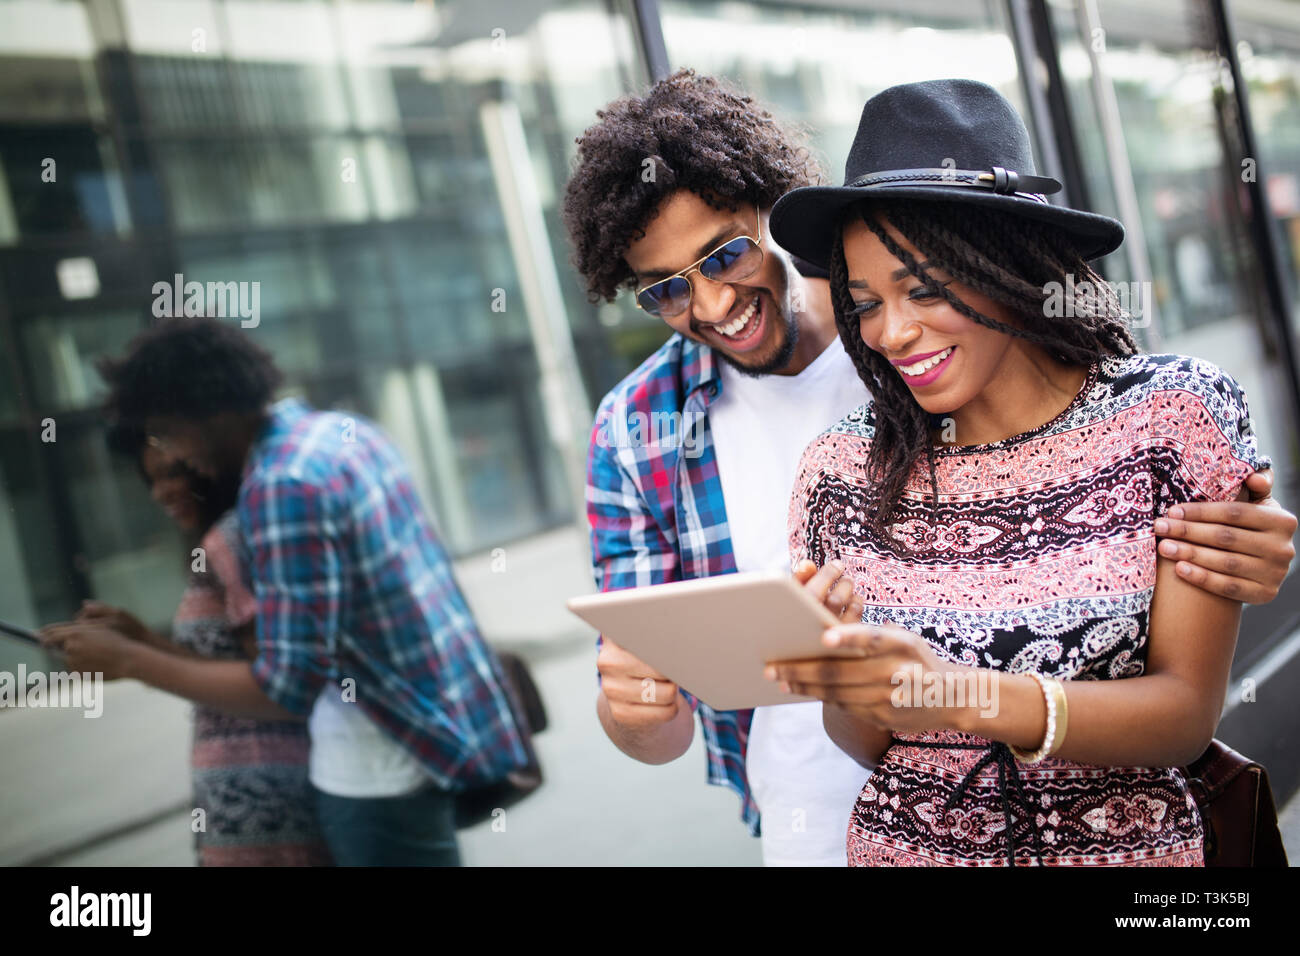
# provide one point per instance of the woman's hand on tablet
(885, 687)
(830, 586)
(93, 648)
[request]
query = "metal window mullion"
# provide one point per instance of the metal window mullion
(1041, 117)
(1126, 198)
(650, 35)
(1267, 248)
(566, 409)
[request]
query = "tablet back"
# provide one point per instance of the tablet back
(713, 636)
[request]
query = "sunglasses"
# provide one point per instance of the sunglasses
(734, 260)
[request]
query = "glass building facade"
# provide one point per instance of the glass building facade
(390, 173)
(361, 163)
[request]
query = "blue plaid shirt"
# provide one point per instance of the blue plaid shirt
(654, 503)
(351, 582)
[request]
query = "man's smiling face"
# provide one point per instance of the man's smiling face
(749, 323)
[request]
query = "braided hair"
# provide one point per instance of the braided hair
(1008, 258)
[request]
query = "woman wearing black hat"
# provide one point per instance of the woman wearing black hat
(1034, 671)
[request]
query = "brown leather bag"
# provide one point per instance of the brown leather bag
(1237, 809)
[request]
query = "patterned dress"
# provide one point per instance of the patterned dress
(249, 776)
(1040, 556)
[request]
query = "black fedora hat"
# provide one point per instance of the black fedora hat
(950, 140)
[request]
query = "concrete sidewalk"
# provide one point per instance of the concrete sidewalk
(115, 791)
(75, 778)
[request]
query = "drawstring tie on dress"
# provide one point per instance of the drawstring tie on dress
(1009, 785)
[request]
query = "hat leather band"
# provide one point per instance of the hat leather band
(997, 179)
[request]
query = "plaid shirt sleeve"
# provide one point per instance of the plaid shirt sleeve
(298, 576)
(629, 548)
(632, 513)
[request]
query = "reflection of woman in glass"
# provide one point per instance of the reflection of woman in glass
(249, 776)
(1034, 671)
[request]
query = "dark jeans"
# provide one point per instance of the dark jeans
(416, 829)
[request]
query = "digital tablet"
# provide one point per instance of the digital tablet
(22, 633)
(714, 636)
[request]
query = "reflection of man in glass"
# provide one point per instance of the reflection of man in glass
(669, 200)
(361, 628)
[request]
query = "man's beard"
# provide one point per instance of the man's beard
(778, 361)
(215, 496)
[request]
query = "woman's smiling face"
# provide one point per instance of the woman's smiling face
(946, 359)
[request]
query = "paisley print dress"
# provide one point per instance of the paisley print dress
(250, 776)
(1039, 555)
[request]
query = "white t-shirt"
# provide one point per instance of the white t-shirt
(351, 757)
(804, 785)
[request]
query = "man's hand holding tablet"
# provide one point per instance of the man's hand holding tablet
(642, 711)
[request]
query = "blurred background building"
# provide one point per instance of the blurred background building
(390, 174)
